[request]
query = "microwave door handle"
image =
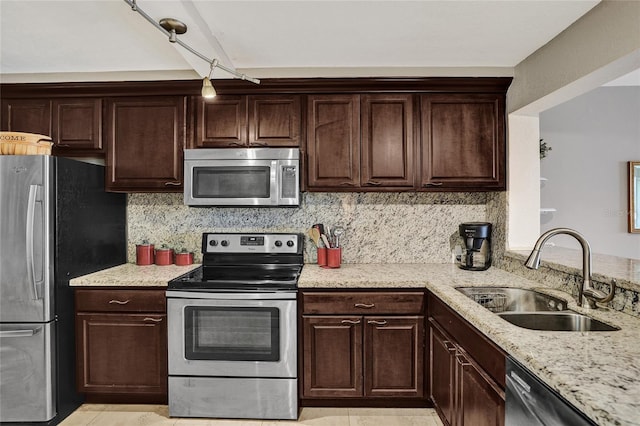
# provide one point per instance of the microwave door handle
(276, 182)
(31, 215)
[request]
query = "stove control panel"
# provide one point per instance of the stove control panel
(251, 243)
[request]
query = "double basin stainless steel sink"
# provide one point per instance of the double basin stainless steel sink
(532, 309)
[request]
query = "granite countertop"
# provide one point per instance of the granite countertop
(132, 275)
(598, 372)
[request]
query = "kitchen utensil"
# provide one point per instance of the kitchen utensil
(325, 240)
(144, 253)
(183, 258)
(314, 233)
(337, 232)
(164, 256)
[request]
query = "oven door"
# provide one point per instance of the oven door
(232, 334)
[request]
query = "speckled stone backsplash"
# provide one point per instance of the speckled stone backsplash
(379, 227)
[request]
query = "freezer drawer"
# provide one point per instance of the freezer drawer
(27, 391)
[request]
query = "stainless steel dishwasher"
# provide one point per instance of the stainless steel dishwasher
(530, 402)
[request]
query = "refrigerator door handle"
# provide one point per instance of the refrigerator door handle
(31, 216)
(20, 333)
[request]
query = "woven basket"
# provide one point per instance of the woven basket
(18, 143)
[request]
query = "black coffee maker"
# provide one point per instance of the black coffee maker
(476, 246)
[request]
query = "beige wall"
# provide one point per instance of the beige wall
(602, 45)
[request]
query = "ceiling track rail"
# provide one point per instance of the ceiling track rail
(174, 39)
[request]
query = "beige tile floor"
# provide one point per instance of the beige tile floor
(143, 415)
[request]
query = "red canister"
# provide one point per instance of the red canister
(164, 256)
(183, 258)
(144, 254)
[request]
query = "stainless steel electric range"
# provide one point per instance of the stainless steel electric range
(232, 329)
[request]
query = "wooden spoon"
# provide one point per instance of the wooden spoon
(315, 236)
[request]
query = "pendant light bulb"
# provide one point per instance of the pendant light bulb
(208, 91)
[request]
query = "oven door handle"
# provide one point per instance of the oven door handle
(262, 295)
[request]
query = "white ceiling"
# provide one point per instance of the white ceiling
(95, 40)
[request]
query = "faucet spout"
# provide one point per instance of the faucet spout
(585, 291)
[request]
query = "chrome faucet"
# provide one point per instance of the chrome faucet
(591, 295)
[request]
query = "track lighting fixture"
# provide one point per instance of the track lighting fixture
(172, 28)
(207, 88)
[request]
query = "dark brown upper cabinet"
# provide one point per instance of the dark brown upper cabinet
(387, 142)
(27, 115)
(74, 124)
(333, 141)
(463, 142)
(362, 142)
(145, 140)
(274, 120)
(229, 121)
(77, 126)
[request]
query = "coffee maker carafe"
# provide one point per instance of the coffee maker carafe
(476, 246)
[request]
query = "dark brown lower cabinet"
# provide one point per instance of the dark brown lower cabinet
(332, 357)
(461, 389)
(370, 357)
(121, 341)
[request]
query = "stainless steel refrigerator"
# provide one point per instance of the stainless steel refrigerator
(56, 223)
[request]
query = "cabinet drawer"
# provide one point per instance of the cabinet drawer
(366, 303)
(90, 300)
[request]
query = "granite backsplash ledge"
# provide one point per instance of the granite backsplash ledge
(562, 269)
(379, 227)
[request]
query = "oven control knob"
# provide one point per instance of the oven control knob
(224, 243)
(278, 243)
(290, 243)
(213, 243)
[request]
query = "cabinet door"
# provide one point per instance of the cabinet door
(332, 358)
(122, 353)
(442, 374)
(387, 141)
(145, 140)
(463, 141)
(480, 401)
(221, 122)
(333, 141)
(27, 115)
(77, 126)
(274, 120)
(394, 356)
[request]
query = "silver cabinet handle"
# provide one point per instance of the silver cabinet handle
(153, 319)
(383, 322)
(172, 183)
(365, 305)
(433, 184)
(119, 302)
(20, 333)
(350, 321)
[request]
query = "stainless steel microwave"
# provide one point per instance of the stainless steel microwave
(267, 177)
